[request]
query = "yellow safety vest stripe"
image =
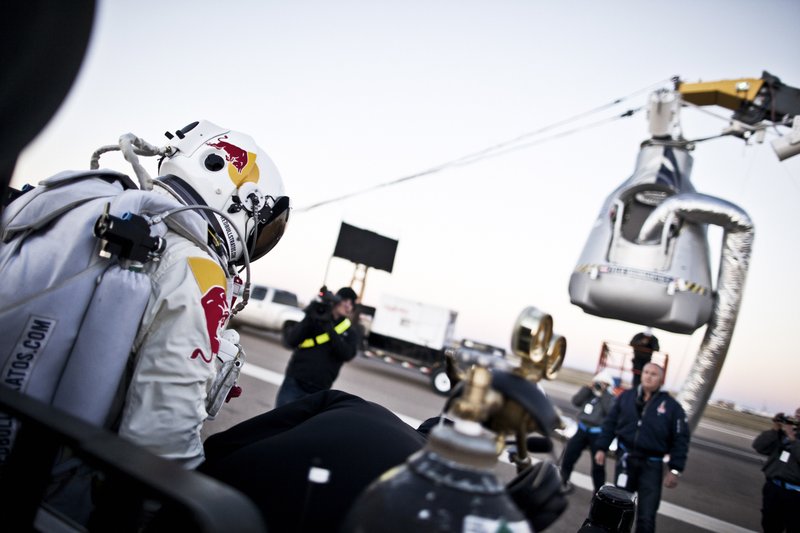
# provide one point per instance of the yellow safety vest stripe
(340, 328)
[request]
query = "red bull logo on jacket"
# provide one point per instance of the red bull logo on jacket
(212, 284)
(242, 165)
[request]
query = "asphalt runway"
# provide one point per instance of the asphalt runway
(720, 490)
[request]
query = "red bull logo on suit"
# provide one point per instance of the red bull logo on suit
(212, 284)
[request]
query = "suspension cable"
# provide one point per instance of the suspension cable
(502, 147)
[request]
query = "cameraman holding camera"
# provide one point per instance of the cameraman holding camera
(595, 403)
(781, 492)
(323, 341)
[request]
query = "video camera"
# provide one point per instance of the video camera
(612, 511)
(781, 418)
(322, 305)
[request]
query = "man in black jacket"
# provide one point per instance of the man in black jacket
(648, 424)
(323, 341)
(781, 492)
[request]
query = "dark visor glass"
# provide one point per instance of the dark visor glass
(270, 232)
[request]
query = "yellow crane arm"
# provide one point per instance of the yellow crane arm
(730, 94)
(752, 99)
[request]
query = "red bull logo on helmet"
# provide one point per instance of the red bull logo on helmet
(212, 283)
(242, 165)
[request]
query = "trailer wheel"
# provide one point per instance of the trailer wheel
(440, 382)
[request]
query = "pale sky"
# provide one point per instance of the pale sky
(346, 95)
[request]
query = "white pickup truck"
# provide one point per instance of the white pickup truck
(271, 309)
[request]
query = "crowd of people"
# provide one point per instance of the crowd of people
(649, 426)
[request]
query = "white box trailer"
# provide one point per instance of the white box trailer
(415, 322)
(413, 335)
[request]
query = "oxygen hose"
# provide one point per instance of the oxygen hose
(130, 145)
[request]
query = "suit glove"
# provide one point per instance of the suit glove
(536, 491)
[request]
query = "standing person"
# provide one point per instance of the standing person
(644, 344)
(648, 424)
(595, 403)
(139, 347)
(323, 341)
(781, 492)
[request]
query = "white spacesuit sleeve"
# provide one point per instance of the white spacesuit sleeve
(166, 401)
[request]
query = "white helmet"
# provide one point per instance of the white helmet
(604, 376)
(226, 170)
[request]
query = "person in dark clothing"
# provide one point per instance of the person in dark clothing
(595, 403)
(781, 493)
(648, 424)
(322, 344)
(303, 464)
(644, 344)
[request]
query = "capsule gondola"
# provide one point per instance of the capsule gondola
(663, 283)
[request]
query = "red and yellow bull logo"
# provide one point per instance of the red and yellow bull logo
(212, 283)
(242, 166)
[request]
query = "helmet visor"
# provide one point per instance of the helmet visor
(271, 231)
